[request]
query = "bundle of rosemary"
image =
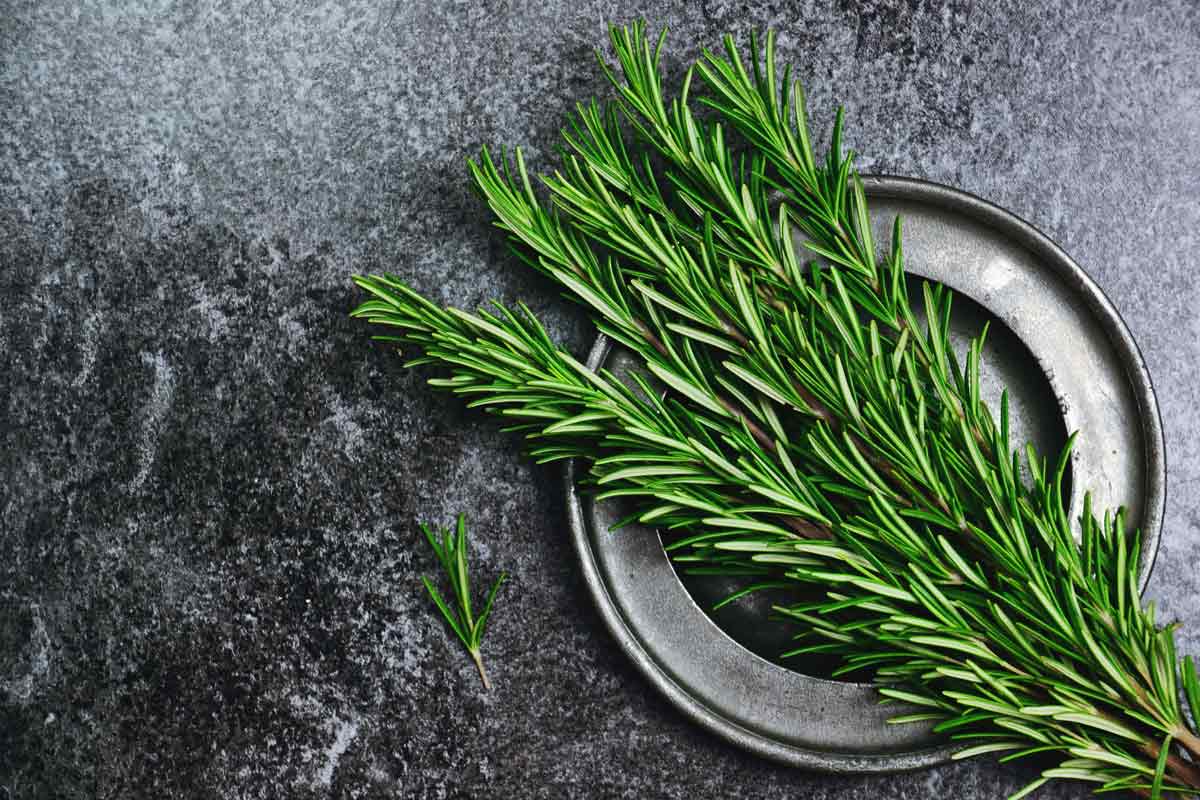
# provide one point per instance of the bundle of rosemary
(797, 423)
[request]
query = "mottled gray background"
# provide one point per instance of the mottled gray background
(209, 478)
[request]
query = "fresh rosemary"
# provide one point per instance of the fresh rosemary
(450, 547)
(798, 424)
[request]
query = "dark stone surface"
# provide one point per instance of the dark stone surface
(210, 479)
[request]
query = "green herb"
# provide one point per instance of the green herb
(796, 423)
(451, 550)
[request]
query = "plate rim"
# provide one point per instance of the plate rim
(1098, 303)
(1129, 355)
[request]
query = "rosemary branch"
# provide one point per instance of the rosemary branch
(451, 551)
(798, 424)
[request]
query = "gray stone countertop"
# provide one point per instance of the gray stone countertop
(210, 479)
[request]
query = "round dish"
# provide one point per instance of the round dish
(1070, 364)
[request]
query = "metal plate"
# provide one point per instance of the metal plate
(1069, 363)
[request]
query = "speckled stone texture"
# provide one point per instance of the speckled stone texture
(210, 478)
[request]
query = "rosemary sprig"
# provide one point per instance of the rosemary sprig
(804, 427)
(451, 550)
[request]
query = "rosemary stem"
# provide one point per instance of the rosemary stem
(1183, 771)
(483, 676)
(1187, 773)
(1189, 742)
(807, 529)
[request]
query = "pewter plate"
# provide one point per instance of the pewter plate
(1069, 363)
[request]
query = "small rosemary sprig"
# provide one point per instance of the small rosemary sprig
(451, 550)
(805, 427)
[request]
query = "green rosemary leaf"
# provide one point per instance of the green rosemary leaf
(1029, 788)
(1160, 768)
